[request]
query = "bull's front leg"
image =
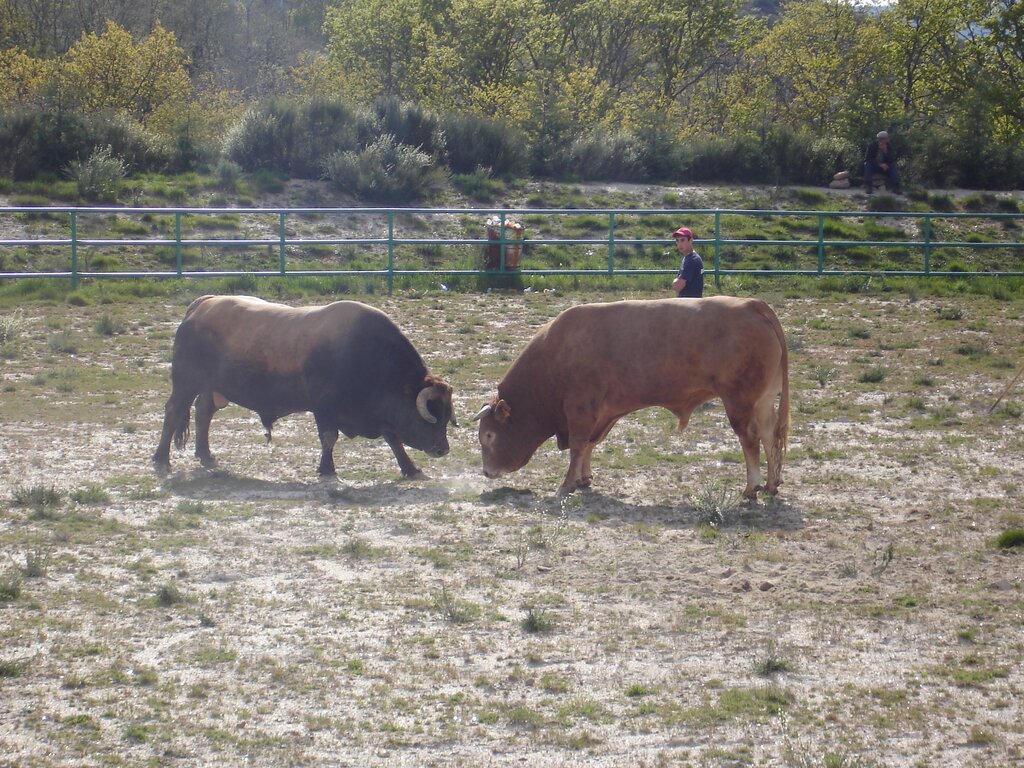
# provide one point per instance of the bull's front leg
(328, 437)
(579, 454)
(408, 467)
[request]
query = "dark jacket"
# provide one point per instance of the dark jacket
(875, 155)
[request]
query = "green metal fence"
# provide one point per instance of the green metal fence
(386, 230)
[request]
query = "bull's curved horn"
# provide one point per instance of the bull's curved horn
(482, 412)
(421, 404)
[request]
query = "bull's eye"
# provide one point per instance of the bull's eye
(487, 438)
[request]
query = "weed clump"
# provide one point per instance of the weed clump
(1011, 538)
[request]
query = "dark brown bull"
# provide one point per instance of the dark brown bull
(595, 363)
(346, 362)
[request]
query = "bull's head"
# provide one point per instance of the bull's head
(435, 400)
(506, 444)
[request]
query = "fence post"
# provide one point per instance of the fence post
(718, 249)
(179, 257)
(611, 243)
(821, 243)
(501, 242)
(74, 250)
(281, 235)
(927, 244)
(391, 251)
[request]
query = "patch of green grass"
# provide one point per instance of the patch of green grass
(1013, 537)
(90, 494)
(873, 375)
(748, 704)
(10, 586)
(12, 668)
(359, 549)
(44, 501)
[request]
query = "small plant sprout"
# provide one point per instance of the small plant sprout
(537, 621)
(454, 610)
(713, 502)
(823, 374)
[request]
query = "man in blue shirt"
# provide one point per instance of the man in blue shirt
(689, 283)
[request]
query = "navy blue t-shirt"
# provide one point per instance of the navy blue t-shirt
(692, 271)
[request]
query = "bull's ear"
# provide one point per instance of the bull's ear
(502, 411)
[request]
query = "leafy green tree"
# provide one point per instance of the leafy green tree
(378, 46)
(112, 73)
(808, 69)
(1002, 49)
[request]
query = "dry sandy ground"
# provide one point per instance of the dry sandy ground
(255, 616)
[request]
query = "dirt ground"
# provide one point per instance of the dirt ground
(254, 615)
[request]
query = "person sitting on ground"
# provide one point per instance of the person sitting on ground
(689, 283)
(881, 158)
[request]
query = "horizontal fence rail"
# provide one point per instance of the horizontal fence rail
(382, 236)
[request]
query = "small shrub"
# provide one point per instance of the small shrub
(772, 664)
(12, 327)
(36, 561)
(1011, 538)
(873, 375)
(228, 174)
(99, 177)
(603, 154)
(42, 500)
(823, 374)
(11, 669)
(10, 587)
(713, 502)
(454, 610)
(106, 325)
(169, 595)
(537, 621)
(385, 171)
(62, 342)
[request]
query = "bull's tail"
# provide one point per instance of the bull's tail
(780, 439)
(181, 428)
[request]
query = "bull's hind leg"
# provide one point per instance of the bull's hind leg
(744, 424)
(206, 406)
(765, 419)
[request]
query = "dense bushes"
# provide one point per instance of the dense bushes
(294, 138)
(384, 150)
(42, 142)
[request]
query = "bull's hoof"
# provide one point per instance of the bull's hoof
(326, 472)
(416, 474)
(584, 482)
(162, 468)
(565, 490)
(208, 462)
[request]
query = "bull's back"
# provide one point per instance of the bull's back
(256, 353)
(655, 351)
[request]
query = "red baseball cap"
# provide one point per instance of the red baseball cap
(682, 232)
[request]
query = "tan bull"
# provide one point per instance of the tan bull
(595, 363)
